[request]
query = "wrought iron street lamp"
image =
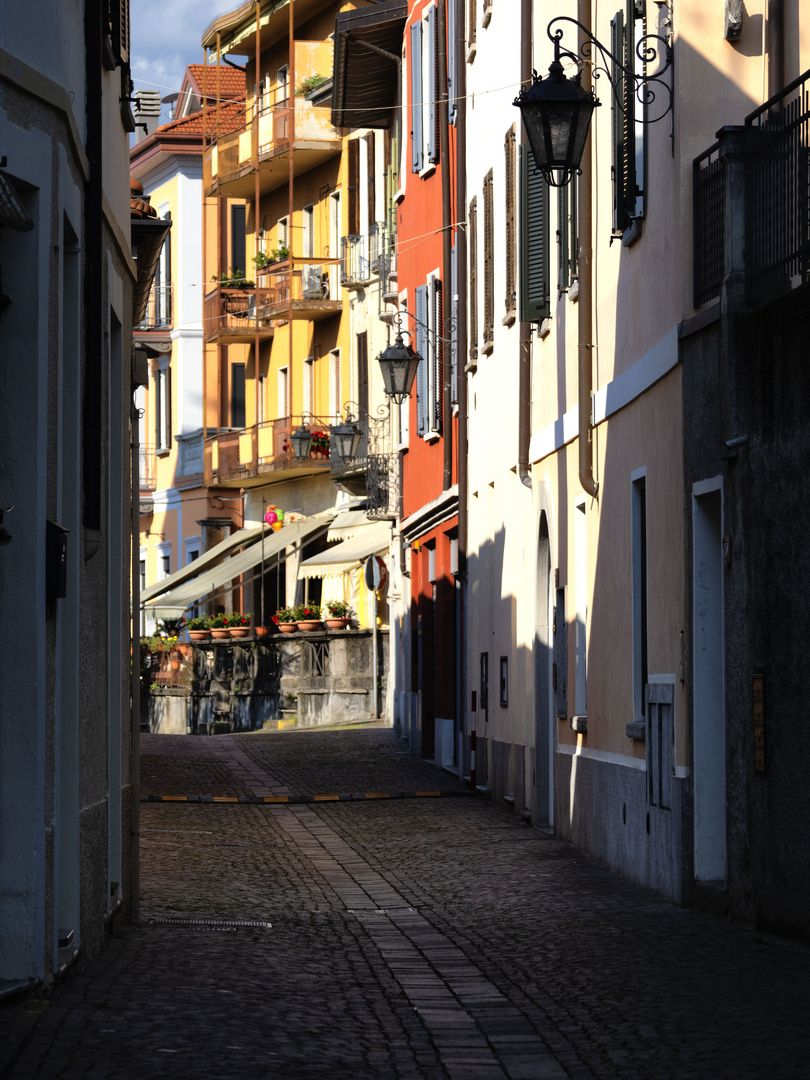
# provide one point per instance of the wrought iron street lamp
(301, 440)
(398, 363)
(557, 111)
(345, 440)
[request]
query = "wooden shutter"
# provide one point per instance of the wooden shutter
(167, 419)
(238, 256)
(362, 373)
(472, 226)
(453, 326)
(451, 60)
(422, 370)
(353, 224)
(416, 96)
(472, 15)
(623, 118)
(437, 355)
(535, 298)
(371, 158)
(511, 226)
(237, 395)
(431, 82)
(489, 260)
(119, 19)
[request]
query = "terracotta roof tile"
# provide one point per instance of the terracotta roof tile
(231, 118)
(231, 81)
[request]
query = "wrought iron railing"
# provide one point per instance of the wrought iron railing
(382, 486)
(147, 468)
(708, 223)
(354, 266)
(777, 188)
(262, 448)
(158, 314)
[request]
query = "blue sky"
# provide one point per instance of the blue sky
(166, 38)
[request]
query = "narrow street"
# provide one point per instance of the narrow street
(418, 935)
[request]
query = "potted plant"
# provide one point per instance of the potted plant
(308, 617)
(218, 625)
(320, 445)
(284, 619)
(337, 614)
(310, 83)
(198, 628)
(238, 625)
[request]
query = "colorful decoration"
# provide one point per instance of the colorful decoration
(274, 517)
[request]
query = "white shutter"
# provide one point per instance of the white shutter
(422, 370)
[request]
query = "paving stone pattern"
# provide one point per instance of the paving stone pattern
(432, 938)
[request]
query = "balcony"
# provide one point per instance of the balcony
(751, 202)
(374, 471)
(301, 289)
(355, 268)
(250, 456)
(147, 468)
(269, 130)
(237, 314)
(158, 314)
(383, 486)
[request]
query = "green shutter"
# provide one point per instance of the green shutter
(535, 299)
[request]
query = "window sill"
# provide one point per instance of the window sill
(399, 196)
(488, 348)
(579, 724)
(573, 292)
(162, 451)
(471, 50)
(544, 329)
(431, 436)
(637, 730)
(633, 232)
(487, 16)
(509, 318)
(428, 170)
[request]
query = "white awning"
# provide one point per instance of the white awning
(174, 603)
(371, 539)
(348, 524)
(195, 568)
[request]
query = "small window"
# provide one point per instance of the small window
(163, 409)
(238, 417)
(335, 401)
(238, 251)
(510, 300)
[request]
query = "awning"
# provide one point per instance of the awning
(348, 524)
(365, 81)
(174, 603)
(370, 540)
(195, 568)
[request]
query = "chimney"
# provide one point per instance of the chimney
(147, 113)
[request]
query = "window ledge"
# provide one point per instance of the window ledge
(471, 50)
(637, 730)
(399, 195)
(431, 436)
(428, 170)
(573, 292)
(163, 451)
(488, 348)
(509, 318)
(579, 724)
(544, 329)
(633, 232)
(487, 16)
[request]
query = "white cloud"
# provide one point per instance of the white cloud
(166, 38)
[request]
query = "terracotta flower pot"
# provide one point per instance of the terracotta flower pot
(261, 631)
(175, 665)
(219, 633)
(337, 623)
(198, 635)
(308, 625)
(287, 627)
(239, 631)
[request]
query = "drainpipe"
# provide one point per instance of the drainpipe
(525, 329)
(585, 303)
(776, 46)
(460, 85)
(447, 239)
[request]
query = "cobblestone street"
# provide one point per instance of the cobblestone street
(407, 937)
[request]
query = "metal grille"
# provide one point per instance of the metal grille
(708, 192)
(354, 265)
(777, 186)
(319, 652)
(158, 314)
(382, 486)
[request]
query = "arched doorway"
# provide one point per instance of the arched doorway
(543, 647)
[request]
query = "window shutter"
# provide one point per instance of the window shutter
(437, 355)
(473, 299)
(623, 117)
(237, 395)
(472, 15)
(489, 262)
(422, 349)
(431, 82)
(353, 223)
(562, 238)
(119, 20)
(561, 655)
(511, 229)
(167, 414)
(451, 59)
(371, 152)
(362, 373)
(158, 409)
(238, 257)
(453, 326)
(416, 97)
(535, 301)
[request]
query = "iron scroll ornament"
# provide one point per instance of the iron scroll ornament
(601, 61)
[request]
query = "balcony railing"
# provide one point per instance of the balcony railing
(262, 448)
(354, 263)
(147, 468)
(708, 222)
(158, 314)
(238, 313)
(383, 487)
(305, 290)
(773, 216)
(777, 186)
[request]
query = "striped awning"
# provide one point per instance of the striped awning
(193, 569)
(373, 539)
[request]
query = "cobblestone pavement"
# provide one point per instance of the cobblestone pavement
(402, 938)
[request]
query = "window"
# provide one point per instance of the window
(560, 657)
(638, 548)
(163, 409)
(430, 85)
(238, 418)
(163, 278)
(163, 553)
(472, 19)
(417, 125)
(472, 226)
(238, 257)
(335, 403)
(404, 410)
(627, 30)
(535, 299)
(308, 246)
(283, 233)
(489, 264)
(282, 79)
(510, 300)
(283, 392)
(262, 390)
(119, 29)
(453, 327)
(362, 372)
(567, 235)
(436, 348)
